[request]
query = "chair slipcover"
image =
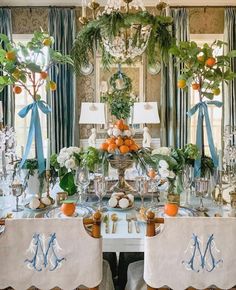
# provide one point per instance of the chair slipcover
(48, 253)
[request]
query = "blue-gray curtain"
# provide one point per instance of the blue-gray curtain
(229, 95)
(6, 95)
(174, 102)
(62, 27)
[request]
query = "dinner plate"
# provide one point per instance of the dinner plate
(80, 211)
(38, 209)
(182, 212)
(154, 69)
(119, 209)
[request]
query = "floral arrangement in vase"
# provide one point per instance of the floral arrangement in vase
(205, 69)
(25, 70)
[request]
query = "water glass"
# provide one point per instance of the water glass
(187, 177)
(82, 180)
(141, 184)
(201, 189)
(100, 187)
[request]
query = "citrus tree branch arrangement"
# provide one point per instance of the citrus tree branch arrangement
(24, 66)
(205, 69)
(109, 25)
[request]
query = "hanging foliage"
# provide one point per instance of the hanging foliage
(108, 26)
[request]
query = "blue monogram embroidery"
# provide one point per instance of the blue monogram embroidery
(200, 259)
(45, 253)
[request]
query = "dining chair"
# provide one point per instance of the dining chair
(187, 253)
(52, 253)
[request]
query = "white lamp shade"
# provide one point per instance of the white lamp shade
(92, 113)
(145, 113)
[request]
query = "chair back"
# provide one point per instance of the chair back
(48, 253)
(191, 252)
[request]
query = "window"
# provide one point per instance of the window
(24, 99)
(215, 113)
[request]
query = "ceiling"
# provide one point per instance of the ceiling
(147, 2)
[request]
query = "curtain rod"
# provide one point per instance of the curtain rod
(32, 7)
(203, 7)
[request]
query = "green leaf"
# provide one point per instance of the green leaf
(34, 67)
(232, 53)
(208, 95)
(67, 183)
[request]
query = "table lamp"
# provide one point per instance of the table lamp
(92, 113)
(146, 113)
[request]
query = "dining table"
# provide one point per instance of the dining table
(122, 240)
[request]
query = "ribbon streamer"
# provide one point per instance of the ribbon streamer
(202, 108)
(35, 130)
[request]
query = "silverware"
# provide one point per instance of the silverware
(134, 218)
(106, 222)
(129, 221)
(114, 219)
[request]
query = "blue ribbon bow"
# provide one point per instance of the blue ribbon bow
(35, 130)
(202, 108)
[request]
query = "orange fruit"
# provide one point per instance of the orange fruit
(119, 141)
(17, 90)
(126, 127)
(120, 125)
(104, 146)
(134, 147)
(195, 86)
(181, 84)
(110, 141)
(43, 75)
(16, 74)
(171, 209)
(128, 142)
(201, 58)
(112, 148)
(124, 149)
(53, 86)
(210, 62)
(152, 173)
(68, 208)
(47, 41)
(216, 91)
(10, 55)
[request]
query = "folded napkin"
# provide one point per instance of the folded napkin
(197, 252)
(46, 253)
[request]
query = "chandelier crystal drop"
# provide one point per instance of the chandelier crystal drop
(118, 4)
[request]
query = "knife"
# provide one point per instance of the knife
(106, 222)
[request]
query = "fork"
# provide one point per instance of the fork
(129, 220)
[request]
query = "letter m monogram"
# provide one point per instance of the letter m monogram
(202, 257)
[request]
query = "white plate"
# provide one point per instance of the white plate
(182, 212)
(80, 211)
(38, 209)
(154, 69)
(119, 209)
(87, 70)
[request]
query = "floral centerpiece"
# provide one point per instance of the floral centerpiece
(205, 71)
(25, 70)
(170, 165)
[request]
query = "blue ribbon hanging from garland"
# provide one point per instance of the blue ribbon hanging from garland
(202, 108)
(35, 130)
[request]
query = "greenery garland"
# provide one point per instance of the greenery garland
(127, 84)
(91, 36)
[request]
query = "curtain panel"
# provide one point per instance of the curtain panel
(174, 102)
(6, 95)
(61, 126)
(229, 96)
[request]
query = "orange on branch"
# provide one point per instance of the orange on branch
(201, 58)
(210, 62)
(53, 86)
(47, 41)
(17, 90)
(195, 86)
(216, 91)
(43, 75)
(181, 84)
(10, 55)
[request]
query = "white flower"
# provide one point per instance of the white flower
(164, 173)
(163, 164)
(70, 164)
(162, 151)
(62, 158)
(171, 175)
(63, 150)
(72, 150)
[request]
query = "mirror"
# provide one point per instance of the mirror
(137, 74)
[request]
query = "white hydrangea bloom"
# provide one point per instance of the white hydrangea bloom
(163, 164)
(164, 173)
(70, 163)
(162, 151)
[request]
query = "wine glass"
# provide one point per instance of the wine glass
(100, 189)
(82, 180)
(17, 189)
(141, 184)
(188, 176)
(201, 188)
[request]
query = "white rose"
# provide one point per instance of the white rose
(72, 150)
(63, 150)
(162, 151)
(164, 173)
(163, 164)
(70, 164)
(62, 158)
